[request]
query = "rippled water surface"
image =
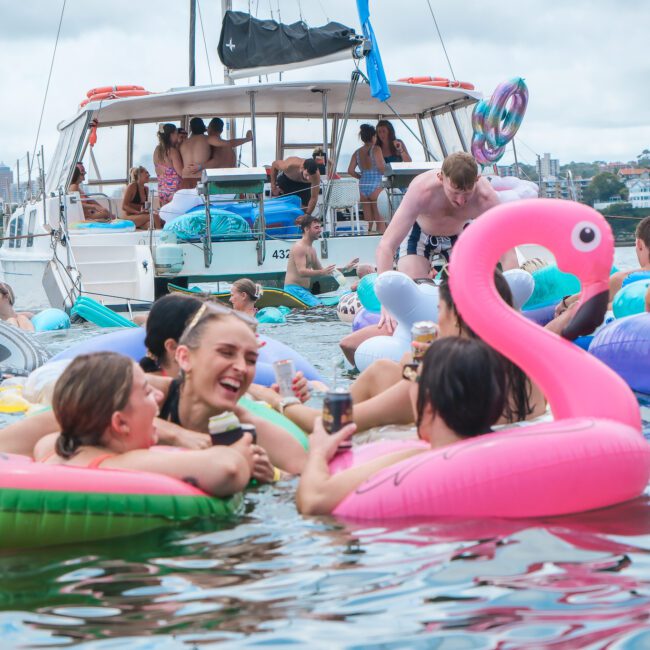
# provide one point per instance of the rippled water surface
(277, 579)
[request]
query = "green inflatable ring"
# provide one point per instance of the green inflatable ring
(263, 410)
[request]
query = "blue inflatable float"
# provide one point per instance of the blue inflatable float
(51, 319)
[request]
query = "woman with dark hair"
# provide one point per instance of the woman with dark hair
(244, 293)
(392, 149)
(371, 169)
(106, 408)
(92, 210)
(168, 163)
(447, 412)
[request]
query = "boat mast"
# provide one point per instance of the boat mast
(192, 42)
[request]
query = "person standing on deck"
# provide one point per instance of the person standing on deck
(223, 151)
(435, 209)
(195, 152)
(304, 264)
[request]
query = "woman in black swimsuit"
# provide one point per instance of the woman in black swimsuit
(393, 150)
(135, 199)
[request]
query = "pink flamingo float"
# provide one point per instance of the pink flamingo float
(591, 456)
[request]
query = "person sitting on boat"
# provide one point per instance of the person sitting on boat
(298, 176)
(392, 149)
(244, 293)
(222, 153)
(136, 198)
(168, 162)
(195, 152)
(642, 249)
(447, 412)
(371, 171)
(7, 312)
(106, 407)
(210, 352)
(303, 264)
(93, 211)
(431, 217)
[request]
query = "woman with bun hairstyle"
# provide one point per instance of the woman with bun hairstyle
(243, 296)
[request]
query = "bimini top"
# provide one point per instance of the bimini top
(298, 98)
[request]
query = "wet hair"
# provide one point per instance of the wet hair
(253, 290)
(310, 166)
(517, 406)
(197, 126)
(164, 134)
(461, 169)
(391, 136)
(469, 399)
(168, 318)
(305, 221)
(216, 124)
(642, 231)
(6, 290)
(134, 173)
(366, 133)
(88, 392)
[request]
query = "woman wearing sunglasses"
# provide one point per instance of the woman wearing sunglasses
(447, 412)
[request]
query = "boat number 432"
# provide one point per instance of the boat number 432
(282, 254)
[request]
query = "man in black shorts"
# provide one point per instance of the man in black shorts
(297, 176)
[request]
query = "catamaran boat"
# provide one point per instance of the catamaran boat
(54, 255)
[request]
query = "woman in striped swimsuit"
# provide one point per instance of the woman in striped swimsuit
(370, 162)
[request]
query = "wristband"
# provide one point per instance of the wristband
(564, 301)
(287, 401)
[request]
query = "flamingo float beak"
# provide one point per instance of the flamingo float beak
(590, 312)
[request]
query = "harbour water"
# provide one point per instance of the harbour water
(277, 579)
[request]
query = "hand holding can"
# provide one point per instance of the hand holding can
(284, 372)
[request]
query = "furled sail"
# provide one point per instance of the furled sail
(248, 42)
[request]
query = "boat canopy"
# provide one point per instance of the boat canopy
(288, 98)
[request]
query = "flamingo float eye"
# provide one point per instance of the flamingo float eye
(586, 236)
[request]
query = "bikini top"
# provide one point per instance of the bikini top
(169, 409)
(93, 464)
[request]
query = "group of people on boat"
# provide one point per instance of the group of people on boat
(179, 161)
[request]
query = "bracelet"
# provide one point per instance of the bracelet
(287, 401)
(564, 301)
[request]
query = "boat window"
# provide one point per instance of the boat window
(449, 133)
(432, 139)
(30, 227)
(351, 141)
(12, 232)
(265, 136)
(64, 156)
(464, 118)
(109, 155)
(299, 130)
(145, 140)
(19, 231)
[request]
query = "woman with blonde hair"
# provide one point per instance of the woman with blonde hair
(106, 407)
(244, 294)
(136, 198)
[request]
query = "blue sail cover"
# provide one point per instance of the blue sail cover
(374, 66)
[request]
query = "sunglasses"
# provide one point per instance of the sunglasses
(410, 372)
(215, 308)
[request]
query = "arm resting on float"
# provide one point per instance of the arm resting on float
(21, 437)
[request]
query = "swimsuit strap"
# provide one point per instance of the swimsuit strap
(98, 460)
(169, 409)
(47, 457)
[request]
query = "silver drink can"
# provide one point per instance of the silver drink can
(284, 372)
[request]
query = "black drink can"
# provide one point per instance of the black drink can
(337, 410)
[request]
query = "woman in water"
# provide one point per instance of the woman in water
(371, 169)
(168, 163)
(244, 294)
(136, 197)
(392, 149)
(106, 409)
(447, 412)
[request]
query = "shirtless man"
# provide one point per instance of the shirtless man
(297, 176)
(223, 151)
(304, 264)
(642, 247)
(195, 152)
(435, 209)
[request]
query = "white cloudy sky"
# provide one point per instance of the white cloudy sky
(585, 61)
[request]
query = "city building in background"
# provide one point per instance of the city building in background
(6, 181)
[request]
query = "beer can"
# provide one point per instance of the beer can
(284, 372)
(337, 410)
(225, 428)
(424, 331)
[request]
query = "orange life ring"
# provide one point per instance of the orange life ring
(441, 82)
(109, 89)
(100, 94)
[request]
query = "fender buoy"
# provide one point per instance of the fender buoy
(111, 89)
(113, 92)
